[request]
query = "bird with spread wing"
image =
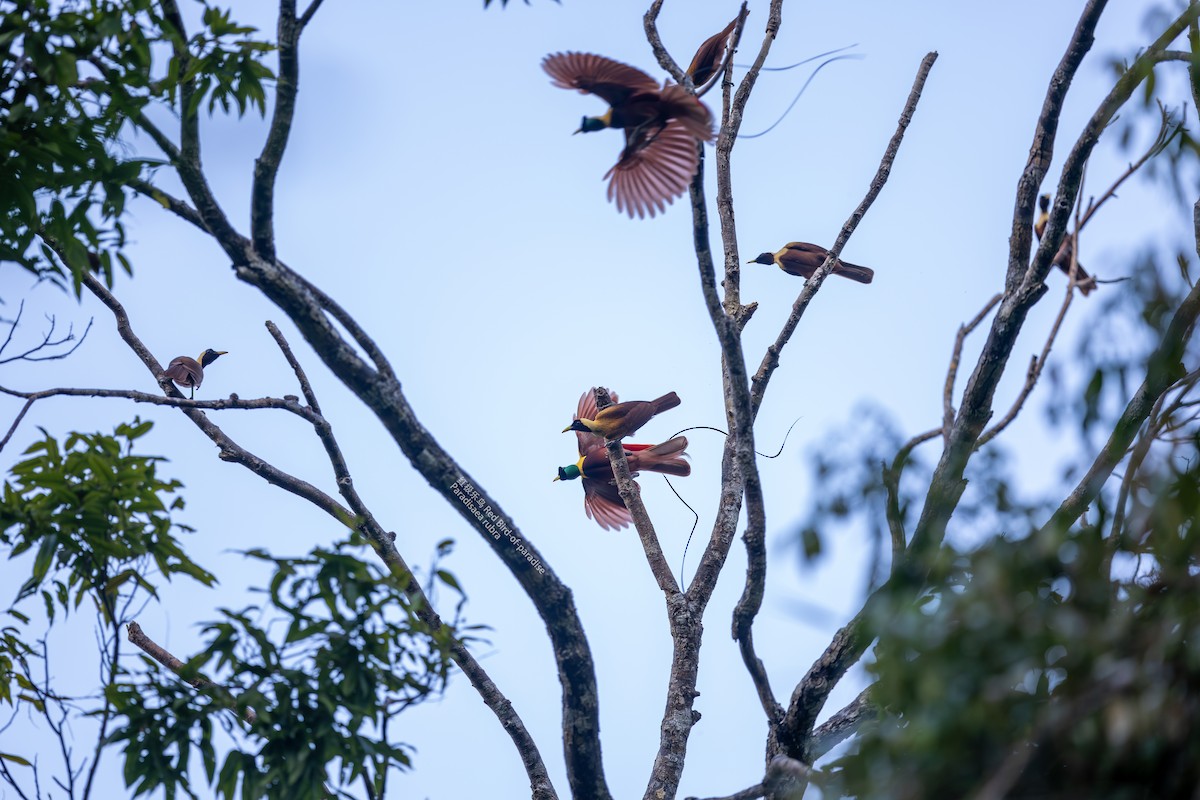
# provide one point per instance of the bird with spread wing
(663, 127)
(601, 499)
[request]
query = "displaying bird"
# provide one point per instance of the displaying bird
(189, 372)
(621, 419)
(1062, 259)
(709, 55)
(663, 128)
(803, 259)
(601, 498)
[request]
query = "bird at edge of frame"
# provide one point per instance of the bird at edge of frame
(663, 126)
(802, 259)
(1062, 259)
(601, 499)
(188, 372)
(621, 419)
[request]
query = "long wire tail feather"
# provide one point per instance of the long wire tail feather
(778, 452)
(691, 533)
(796, 99)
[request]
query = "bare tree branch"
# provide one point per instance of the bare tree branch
(139, 638)
(266, 166)
(631, 494)
(309, 12)
(955, 358)
(842, 725)
(173, 204)
(812, 285)
(187, 160)
(47, 342)
(1036, 365)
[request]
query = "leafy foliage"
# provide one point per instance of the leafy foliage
(96, 516)
(72, 77)
(336, 653)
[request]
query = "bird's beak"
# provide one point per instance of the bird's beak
(222, 352)
(555, 479)
(578, 130)
(564, 430)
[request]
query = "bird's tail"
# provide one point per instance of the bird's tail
(1083, 280)
(666, 402)
(854, 272)
(668, 457)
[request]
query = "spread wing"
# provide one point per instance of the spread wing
(602, 502)
(654, 170)
(593, 74)
(590, 442)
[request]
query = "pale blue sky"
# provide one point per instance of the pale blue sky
(432, 186)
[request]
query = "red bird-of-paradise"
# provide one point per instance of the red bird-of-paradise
(601, 499)
(663, 128)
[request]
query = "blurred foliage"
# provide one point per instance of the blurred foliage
(73, 77)
(1036, 662)
(1025, 667)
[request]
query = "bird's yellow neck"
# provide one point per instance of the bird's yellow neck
(579, 464)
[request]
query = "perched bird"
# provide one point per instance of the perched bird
(621, 419)
(663, 128)
(803, 259)
(1062, 259)
(709, 55)
(189, 372)
(1039, 227)
(601, 499)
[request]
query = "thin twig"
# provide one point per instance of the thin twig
(1036, 365)
(173, 204)
(952, 371)
(891, 483)
(309, 12)
(138, 637)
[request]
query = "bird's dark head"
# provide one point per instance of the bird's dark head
(210, 355)
(1044, 202)
(577, 425)
(568, 473)
(593, 124)
(763, 258)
